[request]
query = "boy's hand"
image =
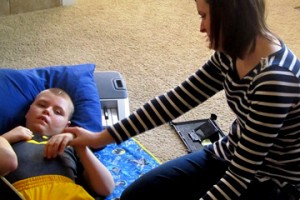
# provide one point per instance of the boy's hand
(57, 144)
(18, 134)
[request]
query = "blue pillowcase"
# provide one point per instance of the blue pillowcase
(19, 87)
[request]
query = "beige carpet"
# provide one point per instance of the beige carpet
(154, 44)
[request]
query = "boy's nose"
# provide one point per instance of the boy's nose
(46, 111)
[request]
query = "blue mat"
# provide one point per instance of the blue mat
(126, 162)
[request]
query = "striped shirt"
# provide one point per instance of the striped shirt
(264, 140)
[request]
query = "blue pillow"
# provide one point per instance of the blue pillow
(19, 87)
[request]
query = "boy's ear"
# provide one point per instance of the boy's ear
(68, 124)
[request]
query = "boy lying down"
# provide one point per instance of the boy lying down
(38, 176)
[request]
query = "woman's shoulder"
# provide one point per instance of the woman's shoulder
(284, 56)
(282, 60)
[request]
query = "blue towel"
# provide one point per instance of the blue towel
(126, 162)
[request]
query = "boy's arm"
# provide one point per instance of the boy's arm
(8, 157)
(19, 133)
(96, 175)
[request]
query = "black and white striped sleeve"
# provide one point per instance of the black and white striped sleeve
(197, 88)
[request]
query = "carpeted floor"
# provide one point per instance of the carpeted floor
(153, 44)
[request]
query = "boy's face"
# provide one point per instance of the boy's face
(48, 114)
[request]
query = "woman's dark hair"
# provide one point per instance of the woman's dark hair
(235, 25)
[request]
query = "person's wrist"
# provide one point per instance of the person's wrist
(5, 137)
(80, 150)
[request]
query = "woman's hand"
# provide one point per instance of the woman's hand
(94, 140)
(83, 137)
(18, 134)
(57, 144)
